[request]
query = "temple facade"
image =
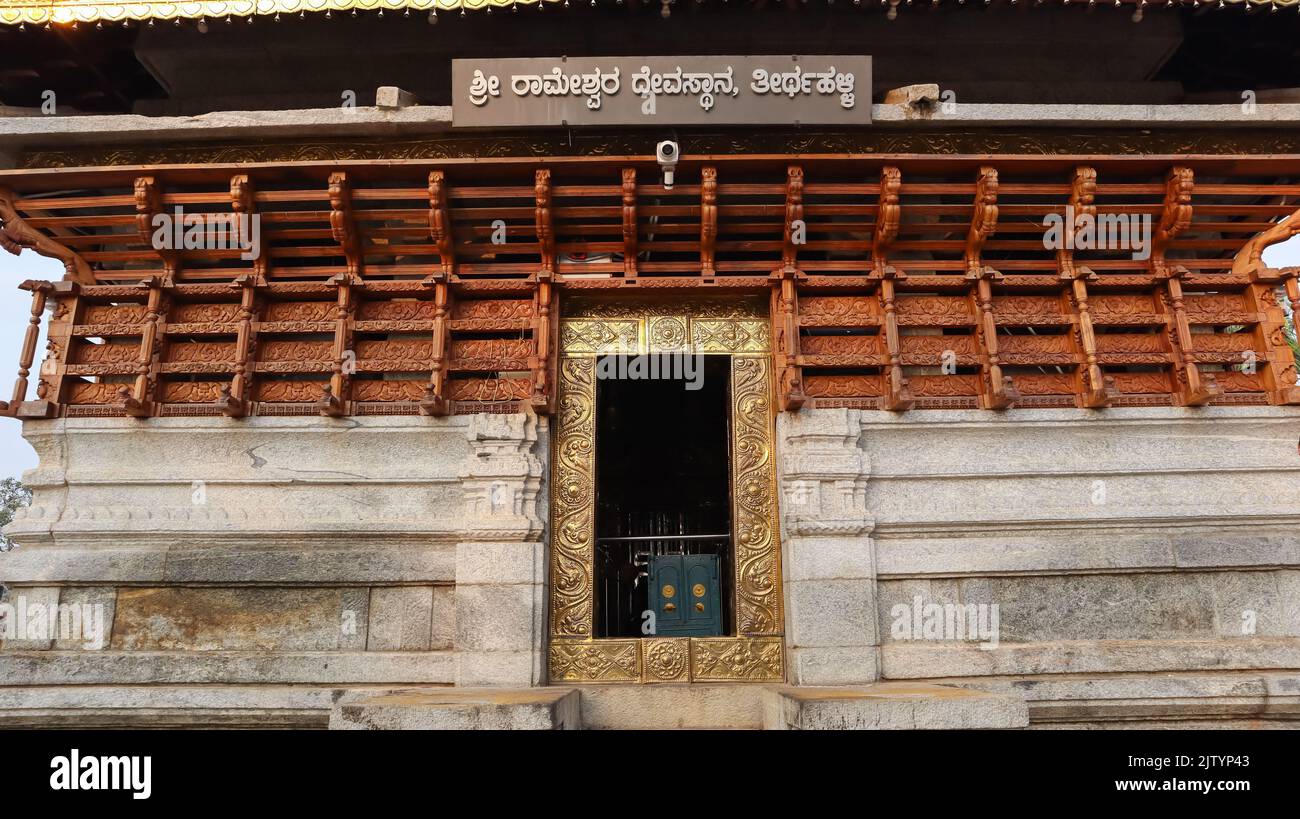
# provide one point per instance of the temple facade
(965, 395)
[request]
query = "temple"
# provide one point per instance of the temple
(935, 376)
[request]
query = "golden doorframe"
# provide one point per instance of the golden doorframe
(741, 329)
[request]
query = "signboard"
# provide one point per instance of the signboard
(749, 90)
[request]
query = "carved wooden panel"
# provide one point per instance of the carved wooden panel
(290, 391)
(842, 386)
(191, 392)
(839, 311)
(934, 311)
(487, 389)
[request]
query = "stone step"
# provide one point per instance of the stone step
(891, 706)
(883, 706)
(458, 709)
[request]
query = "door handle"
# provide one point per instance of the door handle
(699, 607)
(670, 607)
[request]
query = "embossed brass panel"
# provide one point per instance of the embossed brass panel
(737, 327)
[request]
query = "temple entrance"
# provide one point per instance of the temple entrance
(663, 506)
(665, 551)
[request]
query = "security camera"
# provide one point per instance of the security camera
(666, 152)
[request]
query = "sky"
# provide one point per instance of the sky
(16, 456)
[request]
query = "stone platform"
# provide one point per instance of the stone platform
(883, 706)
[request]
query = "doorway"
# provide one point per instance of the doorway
(663, 504)
(692, 472)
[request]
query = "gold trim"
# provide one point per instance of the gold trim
(65, 12)
(736, 327)
(668, 660)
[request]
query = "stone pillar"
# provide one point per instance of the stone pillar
(830, 574)
(501, 561)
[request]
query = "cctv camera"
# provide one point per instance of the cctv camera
(666, 152)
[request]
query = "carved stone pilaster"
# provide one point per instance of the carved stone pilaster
(502, 478)
(832, 636)
(501, 559)
(824, 474)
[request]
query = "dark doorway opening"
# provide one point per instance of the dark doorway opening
(662, 490)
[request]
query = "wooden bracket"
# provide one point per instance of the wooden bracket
(888, 219)
(329, 403)
(1081, 204)
(343, 224)
(1251, 256)
(440, 223)
(148, 207)
(16, 236)
(545, 227)
(1175, 216)
(984, 218)
(793, 220)
(708, 219)
(629, 223)
(244, 203)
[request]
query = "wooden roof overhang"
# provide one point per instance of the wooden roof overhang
(72, 12)
(434, 286)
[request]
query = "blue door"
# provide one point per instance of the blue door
(685, 596)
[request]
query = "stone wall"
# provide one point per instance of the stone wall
(269, 551)
(1145, 562)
